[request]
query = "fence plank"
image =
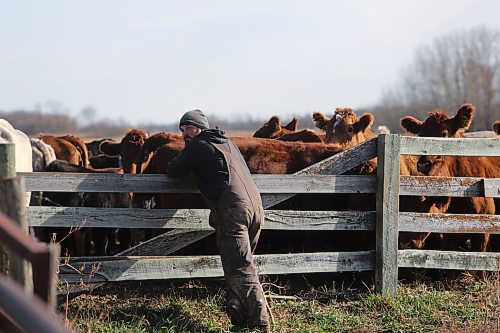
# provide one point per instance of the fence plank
(107, 269)
(386, 264)
(82, 182)
(411, 145)
(474, 261)
(346, 160)
(449, 223)
(444, 186)
(192, 218)
(268, 184)
(166, 243)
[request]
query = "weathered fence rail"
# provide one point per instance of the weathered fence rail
(190, 225)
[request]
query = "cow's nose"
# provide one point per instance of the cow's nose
(424, 166)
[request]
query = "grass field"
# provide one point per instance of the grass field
(462, 305)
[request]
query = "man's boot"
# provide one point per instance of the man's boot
(234, 309)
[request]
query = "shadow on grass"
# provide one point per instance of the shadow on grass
(172, 318)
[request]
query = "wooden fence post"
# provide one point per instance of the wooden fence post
(387, 221)
(12, 202)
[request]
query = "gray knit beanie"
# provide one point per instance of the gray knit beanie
(195, 118)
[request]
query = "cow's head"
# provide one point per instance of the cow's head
(273, 129)
(496, 127)
(345, 128)
(438, 124)
(128, 148)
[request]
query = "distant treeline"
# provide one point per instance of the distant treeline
(35, 122)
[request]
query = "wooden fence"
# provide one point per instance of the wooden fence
(28, 294)
(190, 225)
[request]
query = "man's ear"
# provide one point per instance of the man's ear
(292, 126)
(411, 124)
(320, 120)
(364, 123)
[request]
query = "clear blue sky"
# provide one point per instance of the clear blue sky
(150, 61)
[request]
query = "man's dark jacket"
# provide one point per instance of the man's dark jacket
(203, 160)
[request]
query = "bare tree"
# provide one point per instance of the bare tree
(455, 69)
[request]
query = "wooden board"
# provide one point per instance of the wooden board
(411, 145)
(483, 261)
(106, 269)
(192, 218)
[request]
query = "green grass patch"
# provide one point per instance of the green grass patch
(471, 306)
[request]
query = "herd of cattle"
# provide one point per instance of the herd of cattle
(273, 149)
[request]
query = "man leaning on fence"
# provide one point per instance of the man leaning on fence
(236, 213)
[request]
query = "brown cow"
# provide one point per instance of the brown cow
(94, 147)
(345, 128)
(100, 160)
(273, 130)
(64, 149)
(439, 124)
(128, 148)
(80, 145)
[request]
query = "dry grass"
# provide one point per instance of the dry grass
(461, 305)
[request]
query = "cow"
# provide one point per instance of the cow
(64, 149)
(94, 147)
(80, 146)
(100, 160)
(42, 155)
(439, 124)
(128, 149)
(22, 149)
(272, 129)
(345, 128)
(79, 243)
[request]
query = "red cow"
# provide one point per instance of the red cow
(439, 124)
(128, 148)
(64, 149)
(80, 146)
(345, 128)
(274, 130)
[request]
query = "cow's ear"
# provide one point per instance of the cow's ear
(320, 120)
(110, 148)
(462, 119)
(364, 123)
(496, 127)
(292, 126)
(411, 124)
(274, 123)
